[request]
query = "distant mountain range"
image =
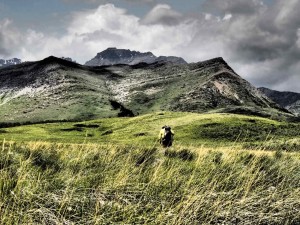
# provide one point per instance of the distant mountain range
(68, 59)
(9, 62)
(286, 99)
(58, 89)
(113, 56)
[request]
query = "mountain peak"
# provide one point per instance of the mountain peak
(61, 61)
(214, 62)
(9, 62)
(57, 89)
(113, 56)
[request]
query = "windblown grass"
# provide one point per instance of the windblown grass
(48, 183)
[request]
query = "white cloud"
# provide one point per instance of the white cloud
(9, 37)
(93, 31)
(227, 17)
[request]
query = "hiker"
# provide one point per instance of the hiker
(166, 136)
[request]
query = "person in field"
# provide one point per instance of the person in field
(166, 136)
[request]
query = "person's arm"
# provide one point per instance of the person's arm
(160, 135)
(172, 138)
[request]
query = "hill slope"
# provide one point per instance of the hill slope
(56, 89)
(191, 129)
(53, 89)
(286, 99)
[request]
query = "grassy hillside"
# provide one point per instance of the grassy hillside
(54, 89)
(222, 169)
(190, 128)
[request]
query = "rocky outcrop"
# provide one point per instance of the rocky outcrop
(114, 56)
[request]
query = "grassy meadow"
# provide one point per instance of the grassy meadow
(222, 169)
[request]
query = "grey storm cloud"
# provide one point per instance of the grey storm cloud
(261, 41)
(9, 38)
(233, 6)
(3, 50)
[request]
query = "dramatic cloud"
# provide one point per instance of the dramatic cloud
(162, 14)
(94, 30)
(260, 41)
(9, 37)
(233, 6)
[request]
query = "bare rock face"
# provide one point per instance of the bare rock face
(114, 56)
(286, 99)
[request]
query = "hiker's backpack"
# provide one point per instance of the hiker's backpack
(167, 138)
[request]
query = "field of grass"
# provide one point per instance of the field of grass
(191, 129)
(222, 169)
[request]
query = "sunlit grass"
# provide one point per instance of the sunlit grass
(191, 129)
(49, 183)
(222, 169)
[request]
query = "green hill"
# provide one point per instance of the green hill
(54, 89)
(191, 129)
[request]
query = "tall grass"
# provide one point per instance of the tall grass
(43, 183)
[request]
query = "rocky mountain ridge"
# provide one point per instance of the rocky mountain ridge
(286, 99)
(9, 62)
(113, 56)
(57, 89)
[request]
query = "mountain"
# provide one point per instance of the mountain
(9, 62)
(68, 59)
(57, 89)
(113, 56)
(53, 89)
(286, 99)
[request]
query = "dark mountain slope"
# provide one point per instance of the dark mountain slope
(113, 56)
(286, 99)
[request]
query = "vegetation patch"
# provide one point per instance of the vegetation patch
(124, 112)
(80, 129)
(183, 154)
(86, 125)
(145, 156)
(107, 132)
(140, 134)
(46, 159)
(245, 131)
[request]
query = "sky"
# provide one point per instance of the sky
(259, 39)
